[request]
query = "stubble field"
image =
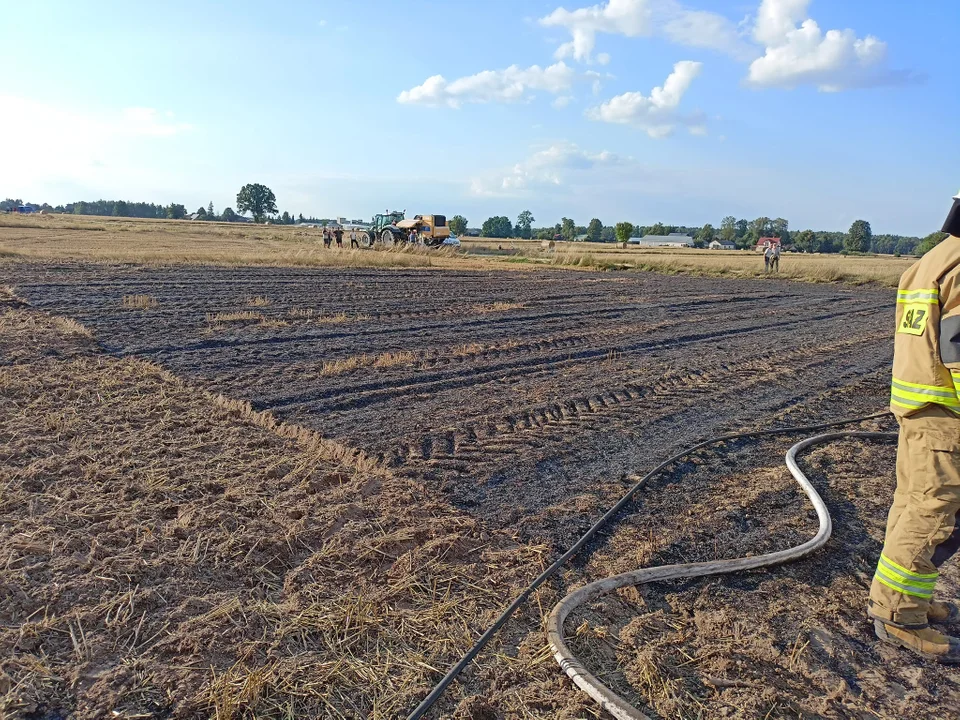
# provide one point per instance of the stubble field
(417, 445)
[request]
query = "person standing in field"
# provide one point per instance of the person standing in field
(353, 239)
(767, 258)
(326, 237)
(923, 527)
(775, 260)
(338, 234)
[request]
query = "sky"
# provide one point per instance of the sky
(674, 111)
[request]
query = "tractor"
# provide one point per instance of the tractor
(391, 228)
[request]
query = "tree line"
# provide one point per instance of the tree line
(261, 203)
(257, 199)
(741, 233)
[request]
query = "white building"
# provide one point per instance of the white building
(722, 245)
(671, 240)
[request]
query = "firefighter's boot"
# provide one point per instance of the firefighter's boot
(927, 643)
(943, 613)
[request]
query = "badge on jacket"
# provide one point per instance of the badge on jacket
(914, 320)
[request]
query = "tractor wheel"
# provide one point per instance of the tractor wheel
(365, 241)
(386, 238)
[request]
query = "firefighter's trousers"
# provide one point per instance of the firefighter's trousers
(922, 531)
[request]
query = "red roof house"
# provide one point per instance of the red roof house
(765, 242)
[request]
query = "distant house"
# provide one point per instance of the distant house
(193, 216)
(473, 232)
(766, 242)
(671, 240)
(722, 245)
(581, 238)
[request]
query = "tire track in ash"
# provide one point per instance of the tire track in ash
(608, 337)
(508, 323)
(623, 401)
(543, 456)
(375, 393)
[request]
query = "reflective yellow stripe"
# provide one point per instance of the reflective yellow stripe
(924, 396)
(893, 576)
(918, 386)
(903, 590)
(898, 578)
(914, 395)
(900, 568)
(931, 296)
(915, 586)
(906, 404)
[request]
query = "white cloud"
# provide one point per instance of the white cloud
(504, 86)
(562, 101)
(633, 18)
(793, 50)
(776, 19)
(698, 28)
(833, 61)
(644, 18)
(550, 167)
(657, 113)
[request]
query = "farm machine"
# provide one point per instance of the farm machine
(391, 228)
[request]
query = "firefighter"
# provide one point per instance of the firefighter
(922, 527)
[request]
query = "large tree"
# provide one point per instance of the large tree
(595, 230)
(728, 228)
(257, 200)
(781, 229)
(568, 229)
(497, 227)
(176, 211)
(525, 224)
(659, 230)
(458, 225)
(859, 237)
(623, 231)
(228, 215)
(761, 227)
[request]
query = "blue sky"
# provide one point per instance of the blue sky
(681, 111)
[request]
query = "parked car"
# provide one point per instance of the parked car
(452, 241)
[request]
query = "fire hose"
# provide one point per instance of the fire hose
(609, 700)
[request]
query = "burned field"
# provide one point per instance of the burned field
(442, 435)
(509, 392)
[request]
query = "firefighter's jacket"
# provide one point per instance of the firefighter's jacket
(926, 355)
